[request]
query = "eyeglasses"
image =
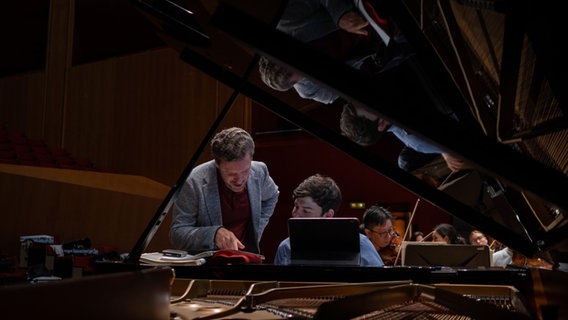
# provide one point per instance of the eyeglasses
(479, 238)
(382, 234)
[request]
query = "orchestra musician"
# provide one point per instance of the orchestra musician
(417, 236)
(447, 233)
(377, 225)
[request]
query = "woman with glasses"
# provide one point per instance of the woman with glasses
(377, 225)
(501, 255)
(477, 237)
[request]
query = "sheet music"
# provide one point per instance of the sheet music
(158, 258)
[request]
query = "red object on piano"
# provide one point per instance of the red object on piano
(235, 257)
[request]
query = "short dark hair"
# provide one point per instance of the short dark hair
(360, 129)
(232, 144)
(416, 234)
(376, 216)
(446, 229)
(322, 189)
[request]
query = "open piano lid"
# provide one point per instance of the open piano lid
(491, 61)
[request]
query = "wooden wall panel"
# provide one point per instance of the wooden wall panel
(58, 60)
(22, 103)
(71, 212)
(141, 114)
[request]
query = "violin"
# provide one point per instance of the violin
(391, 253)
(535, 262)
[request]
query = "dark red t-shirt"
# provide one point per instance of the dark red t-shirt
(235, 210)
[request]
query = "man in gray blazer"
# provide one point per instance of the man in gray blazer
(225, 203)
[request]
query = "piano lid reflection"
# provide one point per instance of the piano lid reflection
(502, 76)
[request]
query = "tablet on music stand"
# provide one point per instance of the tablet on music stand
(324, 241)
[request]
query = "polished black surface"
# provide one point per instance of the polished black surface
(523, 207)
(424, 274)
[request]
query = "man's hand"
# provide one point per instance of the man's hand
(353, 22)
(455, 164)
(225, 239)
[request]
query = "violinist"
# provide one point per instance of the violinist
(377, 225)
(447, 233)
(477, 237)
(417, 236)
(502, 256)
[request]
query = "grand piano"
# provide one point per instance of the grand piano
(512, 128)
(494, 63)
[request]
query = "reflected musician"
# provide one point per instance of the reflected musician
(334, 27)
(345, 30)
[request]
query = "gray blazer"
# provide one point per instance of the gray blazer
(197, 208)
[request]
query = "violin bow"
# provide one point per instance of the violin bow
(407, 228)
